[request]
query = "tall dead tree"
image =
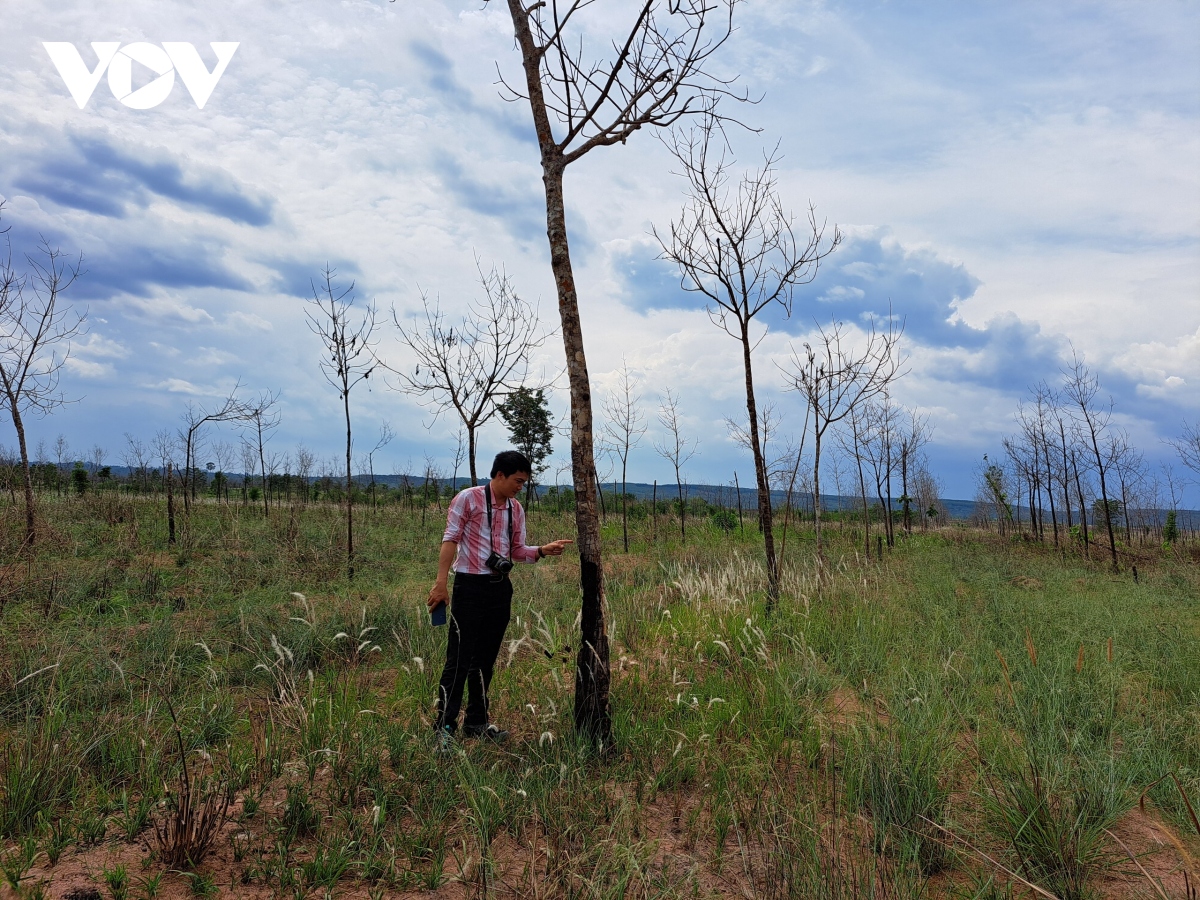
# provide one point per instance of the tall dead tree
(36, 330)
(469, 368)
(349, 360)
(738, 249)
(623, 428)
(1092, 419)
(656, 74)
(836, 377)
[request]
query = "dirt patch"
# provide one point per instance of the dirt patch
(844, 707)
(1152, 853)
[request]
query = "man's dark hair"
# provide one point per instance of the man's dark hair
(509, 462)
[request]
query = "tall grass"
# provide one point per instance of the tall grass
(814, 752)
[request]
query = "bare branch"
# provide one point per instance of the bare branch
(468, 368)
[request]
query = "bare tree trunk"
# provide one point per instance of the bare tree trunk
(1083, 517)
(891, 534)
(816, 492)
(654, 511)
(592, 713)
(683, 507)
(349, 494)
(738, 489)
(471, 453)
(765, 516)
(262, 468)
(624, 502)
(26, 476)
(1112, 540)
(171, 507)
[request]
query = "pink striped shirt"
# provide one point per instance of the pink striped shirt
(466, 525)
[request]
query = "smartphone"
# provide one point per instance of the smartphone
(438, 615)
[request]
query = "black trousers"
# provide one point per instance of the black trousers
(479, 612)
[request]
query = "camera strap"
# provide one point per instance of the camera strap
(487, 496)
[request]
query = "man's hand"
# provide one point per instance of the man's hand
(438, 595)
(555, 548)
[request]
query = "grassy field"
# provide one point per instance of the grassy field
(968, 717)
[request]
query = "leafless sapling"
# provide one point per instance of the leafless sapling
(37, 327)
(739, 249)
(655, 76)
(853, 439)
(224, 454)
(624, 425)
(136, 457)
(1092, 419)
(469, 368)
(836, 375)
(348, 360)
(385, 437)
(879, 452)
(261, 416)
(915, 434)
(249, 467)
(675, 449)
(195, 417)
(305, 460)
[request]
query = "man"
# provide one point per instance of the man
(485, 534)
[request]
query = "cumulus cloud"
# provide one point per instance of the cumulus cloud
(873, 277)
(999, 203)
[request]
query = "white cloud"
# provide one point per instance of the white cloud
(1064, 183)
(88, 369)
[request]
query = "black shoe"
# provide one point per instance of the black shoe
(488, 733)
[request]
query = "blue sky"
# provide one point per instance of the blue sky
(1014, 179)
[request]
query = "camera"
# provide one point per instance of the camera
(501, 565)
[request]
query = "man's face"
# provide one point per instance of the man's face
(508, 486)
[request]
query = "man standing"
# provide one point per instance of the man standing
(485, 535)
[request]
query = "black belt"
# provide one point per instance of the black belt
(470, 576)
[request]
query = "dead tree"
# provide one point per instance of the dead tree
(261, 417)
(675, 449)
(36, 330)
(349, 360)
(305, 460)
(223, 453)
(249, 467)
(739, 250)
(880, 452)
(915, 435)
(835, 378)
(471, 367)
(195, 417)
(385, 437)
(623, 428)
(1127, 465)
(655, 76)
(854, 440)
(136, 458)
(1092, 420)
(1187, 446)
